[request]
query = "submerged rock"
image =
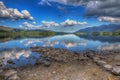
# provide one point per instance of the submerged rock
(47, 64)
(57, 54)
(10, 62)
(41, 61)
(38, 61)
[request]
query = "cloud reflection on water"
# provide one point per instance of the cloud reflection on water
(109, 47)
(18, 57)
(68, 41)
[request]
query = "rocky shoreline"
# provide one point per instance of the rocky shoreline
(107, 63)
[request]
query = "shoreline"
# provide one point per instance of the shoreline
(61, 61)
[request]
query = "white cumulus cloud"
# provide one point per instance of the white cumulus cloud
(69, 22)
(28, 25)
(10, 13)
(108, 19)
(49, 24)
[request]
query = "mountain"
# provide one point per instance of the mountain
(110, 27)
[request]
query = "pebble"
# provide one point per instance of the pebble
(53, 72)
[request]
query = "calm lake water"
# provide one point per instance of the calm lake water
(70, 42)
(18, 50)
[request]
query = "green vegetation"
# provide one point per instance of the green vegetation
(95, 33)
(116, 33)
(6, 32)
(106, 33)
(80, 33)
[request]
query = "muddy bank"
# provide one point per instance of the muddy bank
(60, 64)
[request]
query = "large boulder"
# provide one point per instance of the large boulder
(100, 63)
(107, 67)
(116, 70)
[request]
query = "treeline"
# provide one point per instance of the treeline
(116, 33)
(4, 32)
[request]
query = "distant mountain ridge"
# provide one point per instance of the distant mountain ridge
(4, 28)
(8, 29)
(102, 28)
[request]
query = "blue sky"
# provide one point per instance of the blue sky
(57, 15)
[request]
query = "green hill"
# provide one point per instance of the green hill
(5, 29)
(12, 33)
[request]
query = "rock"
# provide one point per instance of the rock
(47, 63)
(83, 58)
(38, 61)
(10, 75)
(10, 72)
(118, 64)
(95, 59)
(13, 77)
(1, 70)
(116, 70)
(100, 62)
(90, 55)
(107, 67)
(53, 72)
(10, 62)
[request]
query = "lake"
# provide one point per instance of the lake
(69, 41)
(18, 50)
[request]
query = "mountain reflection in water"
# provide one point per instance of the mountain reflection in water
(16, 52)
(69, 41)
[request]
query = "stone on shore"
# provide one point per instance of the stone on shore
(107, 67)
(100, 62)
(47, 64)
(118, 63)
(10, 75)
(116, 70)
